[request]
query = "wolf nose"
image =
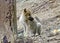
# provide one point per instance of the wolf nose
(31, 18)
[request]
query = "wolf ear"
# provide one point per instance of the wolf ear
(25, 10)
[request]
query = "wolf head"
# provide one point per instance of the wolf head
(27, 14)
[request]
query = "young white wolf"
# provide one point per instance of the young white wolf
(30, 24)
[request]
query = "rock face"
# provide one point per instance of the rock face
(5, 17)
(48, 11)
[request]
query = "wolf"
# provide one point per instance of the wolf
(30, 24)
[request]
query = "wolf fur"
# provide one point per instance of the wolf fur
(30, 25)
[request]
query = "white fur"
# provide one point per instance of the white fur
(23, 24)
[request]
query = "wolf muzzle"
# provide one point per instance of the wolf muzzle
(31, 18)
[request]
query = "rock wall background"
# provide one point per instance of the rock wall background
(5, 15)
(48, 12)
